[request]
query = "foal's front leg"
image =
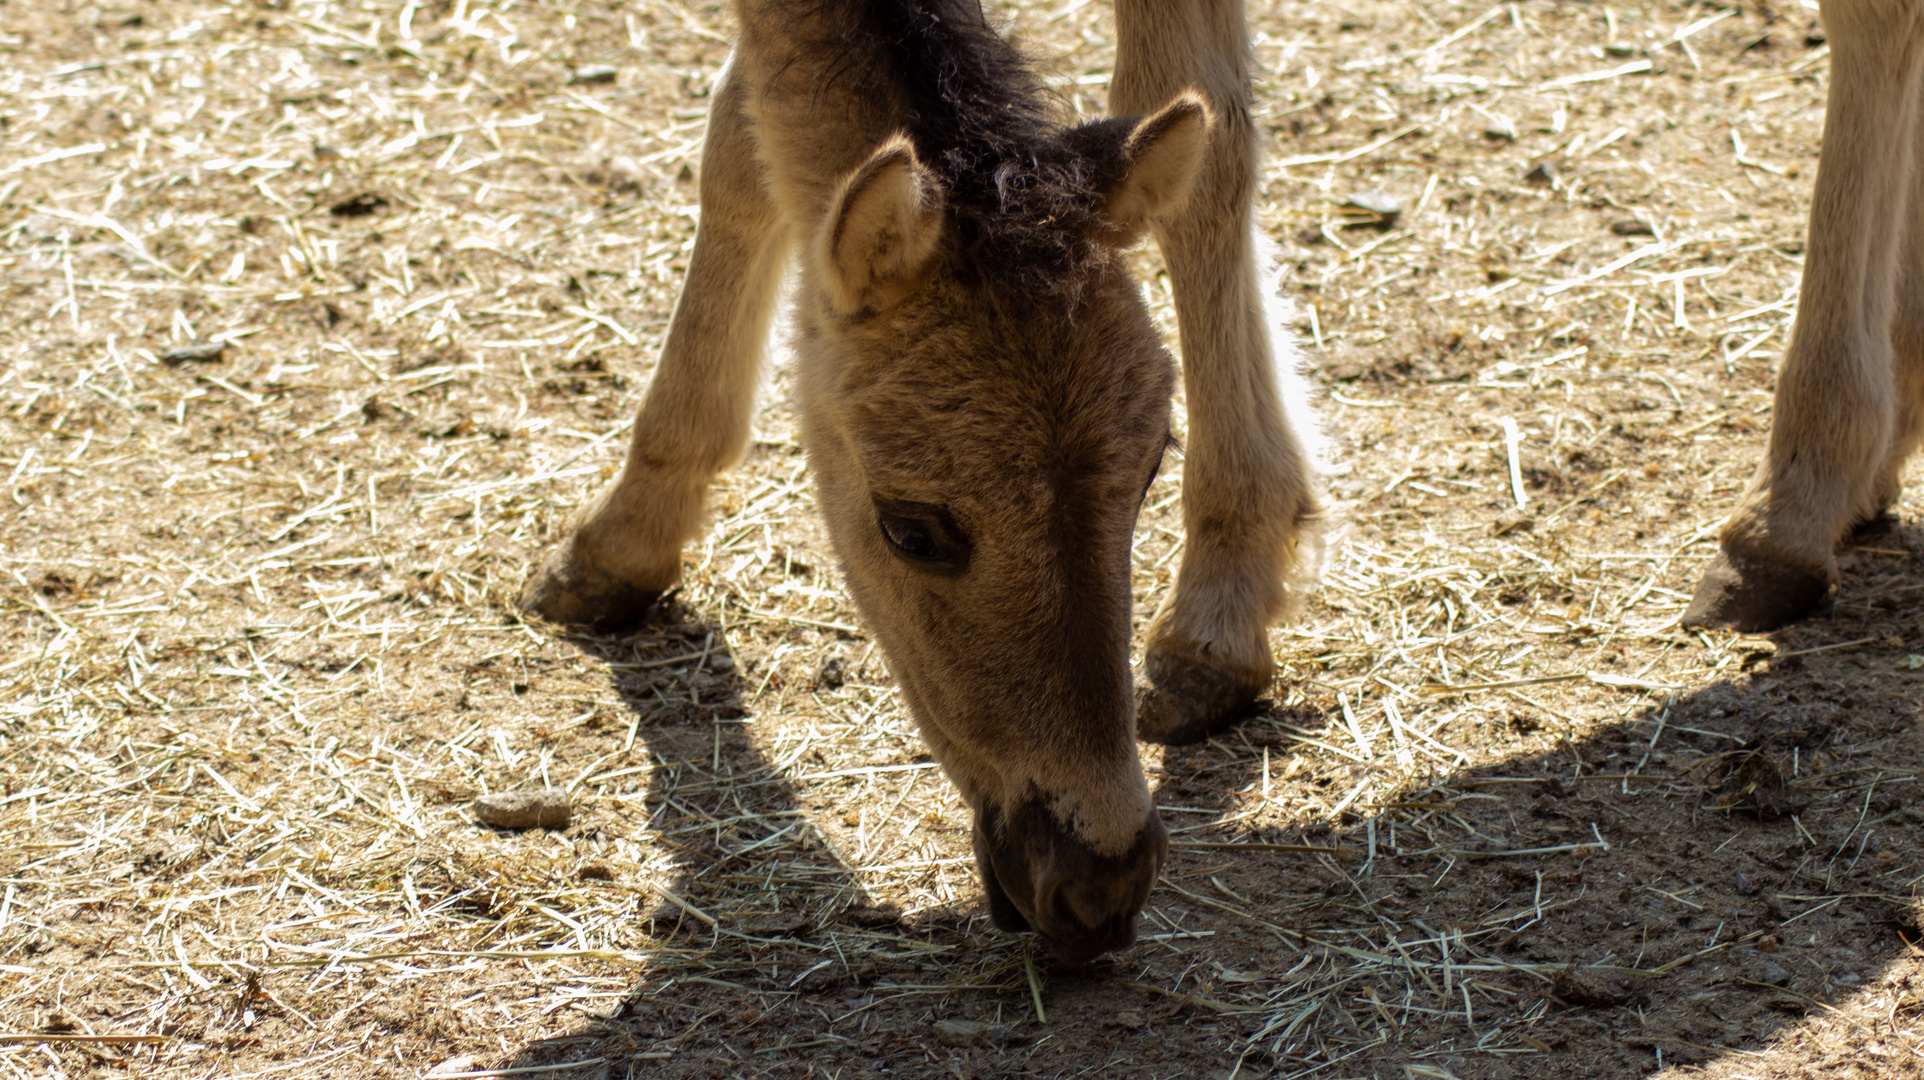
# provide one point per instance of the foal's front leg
(694, 420)
(1252, 509)
(1839, 433)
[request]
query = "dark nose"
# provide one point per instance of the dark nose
(1039, 876)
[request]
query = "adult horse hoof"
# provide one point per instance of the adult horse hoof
(563, 590)
(1752, 596)
(1183, 701)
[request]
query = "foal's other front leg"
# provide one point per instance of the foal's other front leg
(694, 420)
(1839, 432)
(1252, 509)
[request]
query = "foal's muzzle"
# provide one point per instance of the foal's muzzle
(1040, 877)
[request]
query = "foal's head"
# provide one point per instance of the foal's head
(985, 402)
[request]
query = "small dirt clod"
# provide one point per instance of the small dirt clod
(548, 808)
(200, 352)
(965, 1034)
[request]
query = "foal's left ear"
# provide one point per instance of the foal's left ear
(1160, 159)
(880, 230)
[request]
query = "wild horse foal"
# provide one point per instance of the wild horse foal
(984, 402)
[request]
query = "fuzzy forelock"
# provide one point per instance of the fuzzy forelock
(1023, 192)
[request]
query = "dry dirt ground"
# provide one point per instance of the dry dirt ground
(260, 646)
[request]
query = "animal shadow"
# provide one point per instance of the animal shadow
(760, 903)
(724, 813)
(1671, 888)
(1678, 886)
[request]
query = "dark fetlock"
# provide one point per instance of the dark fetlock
(1753, 596)
(1179, 700)
(564, 590)
(1878, 529)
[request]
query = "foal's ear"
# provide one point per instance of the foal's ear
(882, 225)
(1160, 158)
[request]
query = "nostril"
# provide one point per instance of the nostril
(1085, 919)
(1087, 903)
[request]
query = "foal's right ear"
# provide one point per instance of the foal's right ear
(881, 228)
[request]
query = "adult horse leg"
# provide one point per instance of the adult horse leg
(1838, 433)
(1251, 506)
(625, 549)
(1907, 331)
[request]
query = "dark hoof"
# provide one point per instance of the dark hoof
(1181, 701)
(1752, 596)
(562, 591)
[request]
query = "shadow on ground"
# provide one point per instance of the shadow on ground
(763, 902)
(1672, 888)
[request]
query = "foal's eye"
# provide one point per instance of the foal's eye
(1156, 470)
(923, 534)
(911, 538)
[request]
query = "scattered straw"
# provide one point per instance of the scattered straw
(258, 643)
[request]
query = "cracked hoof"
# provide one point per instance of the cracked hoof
(563, 591)
(1181, 701)
(1752, 596)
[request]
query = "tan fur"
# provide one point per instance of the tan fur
(1252, 505)
(880, 229)
(1850, 394)
(695, 419)
(1035, 435)
(1163, 152)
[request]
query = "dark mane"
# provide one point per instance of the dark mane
(1023, 191)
